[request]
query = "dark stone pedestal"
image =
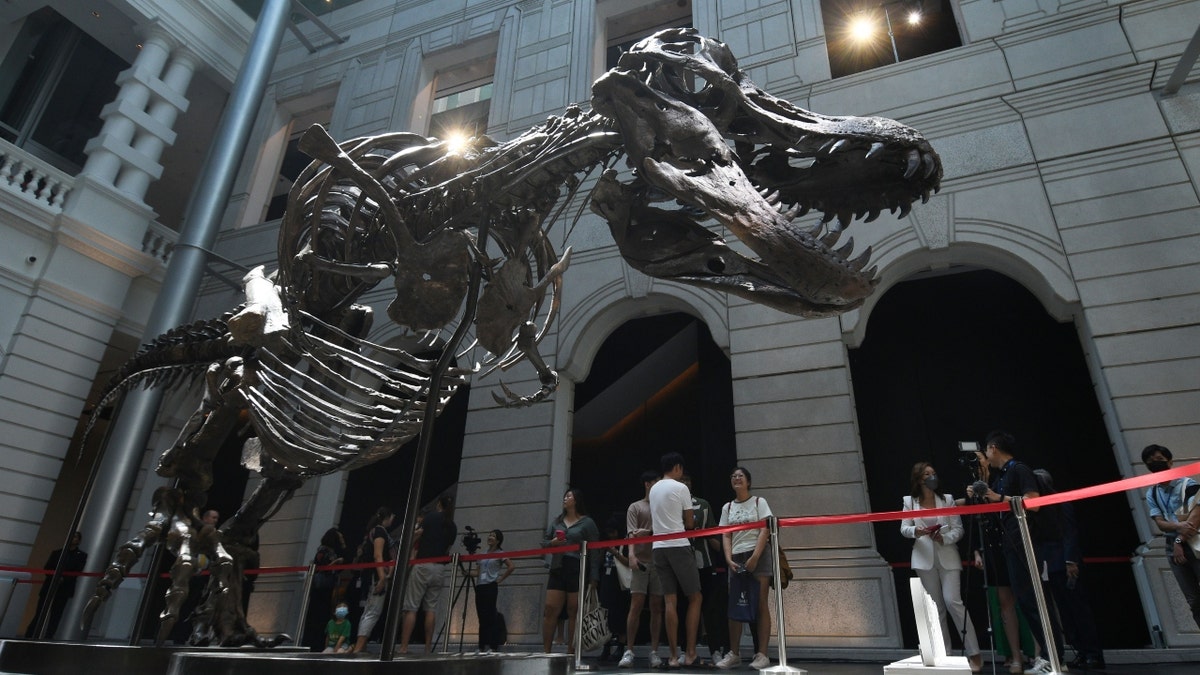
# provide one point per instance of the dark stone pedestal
(28, 657)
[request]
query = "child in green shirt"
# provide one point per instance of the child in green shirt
(337, 631)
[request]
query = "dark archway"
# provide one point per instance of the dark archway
(658, 384)
(949, 358)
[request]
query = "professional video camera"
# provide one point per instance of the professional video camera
(471, 540)
(969, 460)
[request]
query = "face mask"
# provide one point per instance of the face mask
(1156, 465)
(341, 612)
(931, 482)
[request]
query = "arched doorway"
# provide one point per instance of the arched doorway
(949, 358)
(658, 384)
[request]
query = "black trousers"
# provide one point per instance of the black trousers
(485, 609)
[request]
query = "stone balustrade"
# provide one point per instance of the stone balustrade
(159, 241)
(33, 178)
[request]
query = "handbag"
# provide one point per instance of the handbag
(785, 570)
(743, 597)
(595, 623)
(624, 574)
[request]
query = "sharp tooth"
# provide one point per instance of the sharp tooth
(876, 148)
(859, 214)
(870, 274)
(830, 239)
(930, 167)
(905, 208)
(925, 196)
(827, 145)
(837, 146)
(872, 215)
(914, 160)
(845, 218)
(815, 230)
(828, 216)
(790, 214)
(862, 260)
(804, 209)
(844, 252)
(772, 197)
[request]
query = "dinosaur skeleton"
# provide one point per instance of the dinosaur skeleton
(462, 235)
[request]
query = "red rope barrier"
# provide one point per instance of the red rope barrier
(801, 521)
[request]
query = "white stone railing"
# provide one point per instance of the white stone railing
(159, 241)
(34, 179)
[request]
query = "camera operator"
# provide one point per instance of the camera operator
(1016, 479)
(989, 556)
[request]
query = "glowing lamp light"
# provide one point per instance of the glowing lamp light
(456, 142)
(914, 17)
(862, 28)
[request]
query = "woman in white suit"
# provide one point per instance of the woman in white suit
(935, 557)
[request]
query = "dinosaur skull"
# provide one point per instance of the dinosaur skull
(697, 130)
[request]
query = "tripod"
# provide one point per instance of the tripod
(977, 527)
(464, 591)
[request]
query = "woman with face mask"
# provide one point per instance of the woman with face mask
(935, 558)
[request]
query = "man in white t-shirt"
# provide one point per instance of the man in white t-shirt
(671, 513)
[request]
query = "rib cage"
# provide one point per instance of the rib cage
(319, 406)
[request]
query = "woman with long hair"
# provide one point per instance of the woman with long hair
(320, 600)
(492, 572)
(377, 545)
(935, 558)
(572, 526)
(747, 553)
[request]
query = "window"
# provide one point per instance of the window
(53, 84)
(624, 30)
(293, 161)
(865, 34)
(462, 99)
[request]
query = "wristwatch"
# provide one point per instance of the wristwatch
(1178, 540)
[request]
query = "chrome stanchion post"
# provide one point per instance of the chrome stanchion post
(780, 624)
(1035, 576)
(306, 593)
(579, 609)
(449, 602)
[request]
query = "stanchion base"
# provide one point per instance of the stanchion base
(784, 670)
(71, 658)
(951, 665)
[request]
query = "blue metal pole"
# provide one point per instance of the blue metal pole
(121, 457)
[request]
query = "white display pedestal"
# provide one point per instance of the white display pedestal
(933, 658)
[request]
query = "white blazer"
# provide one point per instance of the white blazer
(926, 551)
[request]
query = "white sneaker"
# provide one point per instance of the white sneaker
(730, 660)
(715, 656)
(760, 661)
(626, 659)
(1039, 666)
(655, 660)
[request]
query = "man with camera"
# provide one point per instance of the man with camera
(1016, 479)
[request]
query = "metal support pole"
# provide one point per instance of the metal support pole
(891, 36)
(579, 609)
(449, 602)
(421, 464)
(1035, 576)
(780, 624)
(306, 592)
(122, 456)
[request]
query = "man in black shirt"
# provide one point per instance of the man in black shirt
(426, 581)
(1013, 478)
(73, 561)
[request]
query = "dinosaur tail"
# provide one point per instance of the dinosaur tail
(172, 359)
